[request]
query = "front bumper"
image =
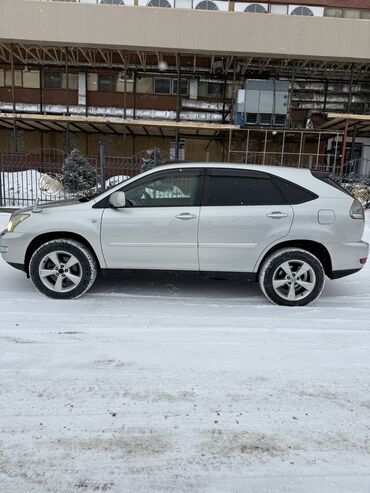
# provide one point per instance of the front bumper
(13, 247)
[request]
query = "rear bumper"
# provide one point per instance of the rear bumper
(338, 274)
(18, 266)
(346, 256)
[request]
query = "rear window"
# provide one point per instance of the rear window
(293, 193)
(233, 188)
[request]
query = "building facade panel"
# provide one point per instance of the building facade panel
(211, 32)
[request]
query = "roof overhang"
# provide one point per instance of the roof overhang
(342, 121)
(183, 30)
(112, 125)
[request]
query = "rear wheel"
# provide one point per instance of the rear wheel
(63, 269)
(292, 277)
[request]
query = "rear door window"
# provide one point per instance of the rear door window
(240, 188)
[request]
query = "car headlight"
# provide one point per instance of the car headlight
(15, 220)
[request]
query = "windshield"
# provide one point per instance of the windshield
(89, 197)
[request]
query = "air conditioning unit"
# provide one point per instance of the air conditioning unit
(306, 10)
(110, 2)
(262, 103)
(210, 5)
(251, 7)
(156, 3)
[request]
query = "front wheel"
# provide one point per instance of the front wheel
(63, 269)
(292, 277)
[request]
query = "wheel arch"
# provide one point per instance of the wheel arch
(56, 235)
(314, 247)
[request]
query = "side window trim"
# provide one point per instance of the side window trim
(237, 172)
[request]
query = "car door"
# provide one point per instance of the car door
(242, 213)
(158, 227)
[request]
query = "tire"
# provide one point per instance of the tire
(280, 283)
(63, 269)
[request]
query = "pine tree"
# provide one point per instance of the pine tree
(79, 177)
(154, 159)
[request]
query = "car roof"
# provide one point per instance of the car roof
(300, 176)
(275, 170)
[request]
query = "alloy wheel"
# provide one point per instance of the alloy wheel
(60, 271)
(294, 280)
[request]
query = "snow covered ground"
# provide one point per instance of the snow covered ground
(159, 383)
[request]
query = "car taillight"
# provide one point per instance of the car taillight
(357, 211)
(363, 261)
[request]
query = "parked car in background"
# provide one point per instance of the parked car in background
(285, 228)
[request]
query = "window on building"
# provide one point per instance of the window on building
(230, 188)
(206, 5)
(210, 89)
(352, 13)
(333, 12)
(214, 90)
(184, 87)
(18, 78)
(162, 86)
(52, 80)
(255, 8)
(181, 154)
(365, 14)
(302, 11)
(113, 2)
(107, 83)
(159, 3)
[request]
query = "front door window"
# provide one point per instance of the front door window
(178, 189)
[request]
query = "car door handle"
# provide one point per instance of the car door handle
(185, 215)
(277, 215)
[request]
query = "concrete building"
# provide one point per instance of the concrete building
(184, 76)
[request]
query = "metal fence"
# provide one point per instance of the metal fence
(40, 176)
(357, 168)
(26, 178)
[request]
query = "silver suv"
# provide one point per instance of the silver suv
(284, 227)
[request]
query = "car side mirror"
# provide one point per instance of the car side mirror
(117, 200)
